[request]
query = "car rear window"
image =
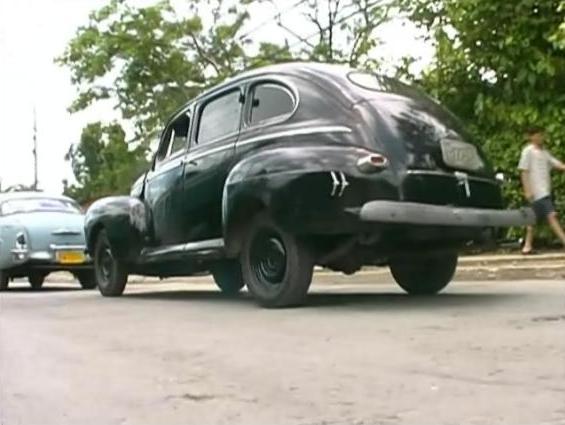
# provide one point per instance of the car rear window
(16, 206)
(270, 101)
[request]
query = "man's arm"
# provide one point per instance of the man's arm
(525, 177)
(555, 163)
(524, 167)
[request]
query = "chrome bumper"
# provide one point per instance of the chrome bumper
(22, 255)
(426, 214)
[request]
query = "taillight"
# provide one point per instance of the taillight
(372, 163)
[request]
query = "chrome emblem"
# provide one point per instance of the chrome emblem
(339, 183)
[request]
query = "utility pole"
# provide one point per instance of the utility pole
(34, 150)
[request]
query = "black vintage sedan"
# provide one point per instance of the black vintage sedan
(290, 166)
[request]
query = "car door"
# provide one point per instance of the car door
(163, 186)
(216, 129)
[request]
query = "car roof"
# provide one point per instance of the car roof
(315, 70)
(6, 196)
(312, 71)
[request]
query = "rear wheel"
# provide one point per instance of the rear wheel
(87, 279)
(4, 280)
(228, 277)
(110, 273)
(277, 267)
(36, 280)
(424, 274)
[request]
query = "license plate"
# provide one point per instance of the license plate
(70, 257)
(460, 155)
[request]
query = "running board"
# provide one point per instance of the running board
(206, 249)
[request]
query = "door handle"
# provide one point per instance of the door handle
(191, 162)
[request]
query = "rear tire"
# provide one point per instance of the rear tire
(87, 279)
(111, 274)
(36, 280)
(425, 274)
(228, 277)
(277, 267)
(4, 280)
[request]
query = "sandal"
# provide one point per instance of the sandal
(529, 252)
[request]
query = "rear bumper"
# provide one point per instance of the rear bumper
(426, 214)
(47, 260)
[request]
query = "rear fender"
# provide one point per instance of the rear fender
(126, 222)
(292, 180)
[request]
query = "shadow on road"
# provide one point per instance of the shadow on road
(24, 289)
(348, 299)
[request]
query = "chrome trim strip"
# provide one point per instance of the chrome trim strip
(167, 166)
(41, 255)
(452, 175)
(62, 232)
(56, 247)
(206, 152)
(296, 132)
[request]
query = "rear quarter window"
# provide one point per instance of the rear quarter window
(270, 101)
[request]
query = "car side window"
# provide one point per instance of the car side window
(174, 139)
(269, 101)
(219, 117)
(179, 134)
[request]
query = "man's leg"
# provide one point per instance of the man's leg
(529, 241)
(556, 226)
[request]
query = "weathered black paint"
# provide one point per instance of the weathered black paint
(211, 191)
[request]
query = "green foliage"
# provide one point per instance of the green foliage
(499, 66)
(103, 164)
(150, 60)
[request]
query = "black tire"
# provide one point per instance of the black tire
(228, 277)
(425, 274)
(36, 280)
(87, 279)
(4, 280)
(276, 266)
(111, 274)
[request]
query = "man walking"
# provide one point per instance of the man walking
(535, 166)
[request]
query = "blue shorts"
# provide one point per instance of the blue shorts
(543, 207)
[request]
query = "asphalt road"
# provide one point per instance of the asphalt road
(483, 352)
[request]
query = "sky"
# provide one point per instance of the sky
(34, 32)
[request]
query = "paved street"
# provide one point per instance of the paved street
(171, 353)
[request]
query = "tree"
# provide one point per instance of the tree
(343, 31)
(151, 60)
(499, 66)
(103, 164)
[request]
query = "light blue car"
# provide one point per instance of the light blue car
(40, 234)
